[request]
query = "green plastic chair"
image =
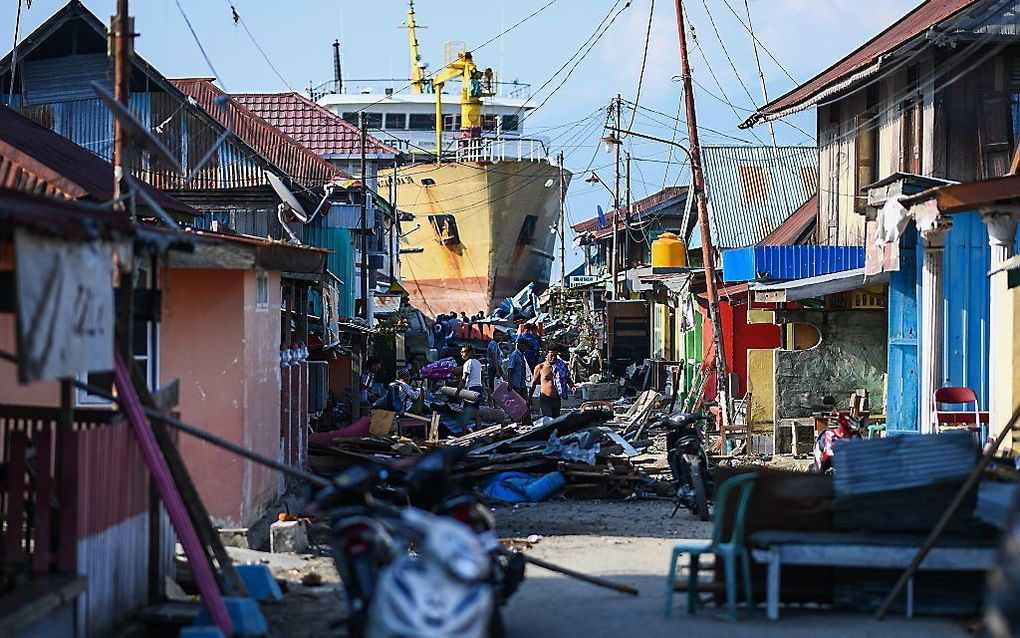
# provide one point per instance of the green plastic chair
(733, 552)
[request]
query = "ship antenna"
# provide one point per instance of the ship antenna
(417, 68)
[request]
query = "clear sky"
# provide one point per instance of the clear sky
(805, 36)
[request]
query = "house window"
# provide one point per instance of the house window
(421, 122)
(911, 125)
(261, 290)
(866, 150)
(527, 235)
(145, 346)
(396, 121)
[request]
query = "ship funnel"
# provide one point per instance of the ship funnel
(338, 82)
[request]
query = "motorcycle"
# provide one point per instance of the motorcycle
(688, 462)
(840, 427)
(406, 572)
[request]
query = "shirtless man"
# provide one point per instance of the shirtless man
(553, 390)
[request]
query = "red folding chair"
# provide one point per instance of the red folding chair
(961, 419)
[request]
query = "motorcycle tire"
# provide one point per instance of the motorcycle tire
(700, 494)
(496, 627)
(363, 575)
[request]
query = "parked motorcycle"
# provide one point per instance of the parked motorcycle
(688, 462)
(406, 572)
(840, 427)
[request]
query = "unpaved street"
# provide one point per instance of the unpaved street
(631, 542)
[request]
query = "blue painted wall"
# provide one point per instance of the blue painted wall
(340, 261)
(965, 311)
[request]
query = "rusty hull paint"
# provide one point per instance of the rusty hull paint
(489, 204)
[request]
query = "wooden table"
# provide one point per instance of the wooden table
(859, 551)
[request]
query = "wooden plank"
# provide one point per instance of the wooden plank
(67, 531)
(43, 499)
(14, 542)
(881, 556)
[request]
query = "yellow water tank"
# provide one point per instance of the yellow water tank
(669, 251)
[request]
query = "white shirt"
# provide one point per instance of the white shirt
(472, 373)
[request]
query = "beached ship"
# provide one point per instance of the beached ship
(483, 196)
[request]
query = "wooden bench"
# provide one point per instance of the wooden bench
(859, 551)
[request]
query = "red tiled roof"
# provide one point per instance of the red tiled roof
(298, 162)
(315, 127)
(666, 194)
(793, 230)
(35, 160)
(925, 15)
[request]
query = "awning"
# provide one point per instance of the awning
(811, 287)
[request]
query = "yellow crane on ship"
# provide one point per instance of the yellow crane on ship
(475, 85)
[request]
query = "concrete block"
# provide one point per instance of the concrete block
(288, 536)
(235, 537)
(600, 391)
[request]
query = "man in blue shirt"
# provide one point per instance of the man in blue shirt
(494, 360)
(533, 351)
(517, 371)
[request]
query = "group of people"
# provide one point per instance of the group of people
(550, 373)
(448, 326)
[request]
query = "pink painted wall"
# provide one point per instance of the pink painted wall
(225, 352)
(45, 393)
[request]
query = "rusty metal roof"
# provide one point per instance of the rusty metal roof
(640, 206)
(34, 159)
(753, 189)
(797, 228)
(315, 127)
(298, 162)
(923, 17)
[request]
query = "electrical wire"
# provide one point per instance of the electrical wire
(200, 47)
(644, 62)
(239, 20)
(750, 31)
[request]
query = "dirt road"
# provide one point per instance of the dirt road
(631, 542)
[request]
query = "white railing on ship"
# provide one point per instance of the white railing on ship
(492, 150)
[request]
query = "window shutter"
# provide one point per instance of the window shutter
(995, 134)
(866, 150)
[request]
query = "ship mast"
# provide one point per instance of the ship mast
(417, 72)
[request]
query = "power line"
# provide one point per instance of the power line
(748, 28)
(239, 20)
(644, 61)
(199, 43)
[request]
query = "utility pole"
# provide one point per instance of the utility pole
(122, 34)
(616, 202)
(563, 235)
(364, 218)
(626, 222)
(707, 250)
(394, 224)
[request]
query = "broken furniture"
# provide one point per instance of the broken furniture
(859, 551)
(733, 552)
(974, 421)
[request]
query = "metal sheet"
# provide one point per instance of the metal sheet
(65, 78)
(756, 263)
(902, 382)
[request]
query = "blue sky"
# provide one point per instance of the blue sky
(805, 36)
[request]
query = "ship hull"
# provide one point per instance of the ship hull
(481, 232)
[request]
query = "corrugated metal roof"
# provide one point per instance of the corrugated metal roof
(315, 127)
(753, 189)
(915, 23)
(34, 159)
(642, 205)
(797, 228)
(297, 161)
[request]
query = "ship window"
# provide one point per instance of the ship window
(396, 120)
(373, 120)
(489, 122)
(527, 234)
(451, 122)
(510, 122)
(351, 117)
(422, 122)
(445, 227)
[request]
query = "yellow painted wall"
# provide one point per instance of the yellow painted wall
(761, 375)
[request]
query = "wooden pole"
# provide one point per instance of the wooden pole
(364, 217)
(121, 48)
(616, 206)
(943, 521)
(563, 233)
(707, 249)
(594, 580)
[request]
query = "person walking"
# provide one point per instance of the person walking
(471, 378)
(367, 381)
(533, 352)
(494, 360)
(556, 384)
(517, 374)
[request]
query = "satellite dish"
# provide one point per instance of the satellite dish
(287, 197)
(135, 130)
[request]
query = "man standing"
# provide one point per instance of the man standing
(534, 345)
(517, 373)
(494, 360)
(439, 334)
(471, 379)
(556, 384)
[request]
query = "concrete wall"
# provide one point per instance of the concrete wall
(850, 355)
(225, 352)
